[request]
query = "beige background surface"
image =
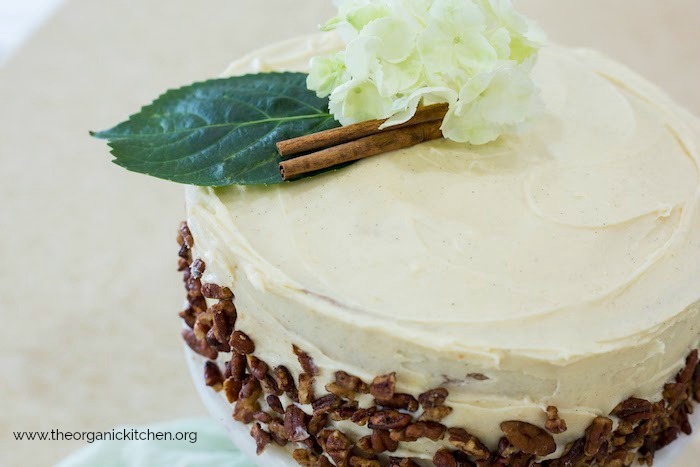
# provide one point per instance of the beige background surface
(88, 292)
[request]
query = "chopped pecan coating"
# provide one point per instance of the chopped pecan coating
(364, 446)
(275, 404)
(470, 444)
(269, 385)
(389, 420)
(433, 398)
(691, 363)
(306, 362)
(444, 458)
(346, 410)
(435, 414)
(199, 346)
(215, 344)
(675, 393)
(262, 438)
(382, 442)
(202, 325)
(241, 343)
(431, 430)
(383, 387)
(231, 389)
(217, 292)
(529, 438)
(250, 388)
(277, 431)
(213, 376)
(306, 388)
(295, 424)
(597, 434)
(573, 454)
(399, 401)
(262, 417)
(285, 381)
(245, 408)
(305, 457)
(182, 264)
(224, 319)
(554, 423)
(634, 410)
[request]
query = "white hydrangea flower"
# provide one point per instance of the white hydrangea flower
(475, 55)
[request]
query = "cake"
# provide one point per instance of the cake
(532, 301)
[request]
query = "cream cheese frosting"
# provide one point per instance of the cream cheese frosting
(563, 263)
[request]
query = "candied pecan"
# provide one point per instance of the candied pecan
(431, 430)
(356, 461)
(295, 424)
(306, 388)
(382, 442)
(470, 444)
(212, 376)
(433, 398)
(262, 438)
(224, 319)
(202, 325)
(317, 423)
(389, 420)
(237, 366)
(399, 401)
(364, 446)
(435, 414)
(217, 292)
(184, 236)
(199, 346)
(383, 387)
(246, 408)
(197, 268)
(554, 423)
(258, 368)
(596, 434)
(361, 416)
(232, 388)
(306, 362)
(279, 434)
(262, 417)
(285, 382)
(275, 404)
(634, 410)
(326, 403)
(336, 445)
(401, 462)
(444, 458)
(241, 343)
(529, 438)
(305, 457)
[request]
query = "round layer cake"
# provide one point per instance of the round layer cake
(529, 299)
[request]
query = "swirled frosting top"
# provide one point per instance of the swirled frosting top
(577, 236)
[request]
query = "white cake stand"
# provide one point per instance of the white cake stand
(684, 452)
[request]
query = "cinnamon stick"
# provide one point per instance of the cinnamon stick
(336, 136)
(379, 143)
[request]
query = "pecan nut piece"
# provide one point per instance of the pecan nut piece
(237, 366)
(232, 388)
(691, 363)
(213, 376)
(529, 438)
(435, 414)
(382, 442)
(356, 461)
(596, 434)
(444, 458)
(306, 362)
(217, 292)
(336, 445)
(326, 403)
(286, 382)
(383, 387)
(634, 410)
(433, 398)
(241, 343)
(306, 388)
(554, 423)
(262, 438)
(275, 404)
(389, 420)
(199, 346)
(399, 401)
(468, 443)
(401, 462)
(295, 424)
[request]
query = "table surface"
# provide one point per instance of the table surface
(89, 294)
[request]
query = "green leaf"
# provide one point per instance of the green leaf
(220, 132)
